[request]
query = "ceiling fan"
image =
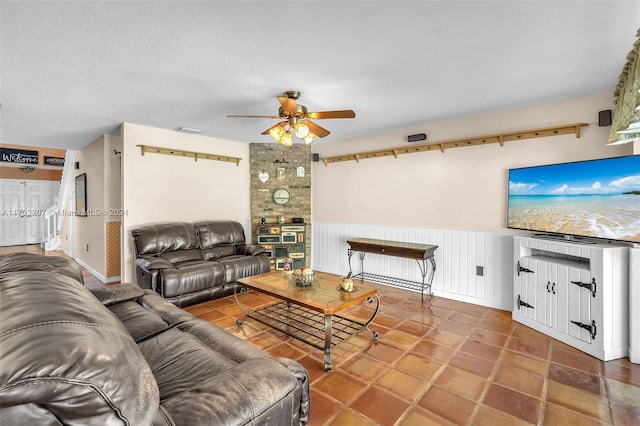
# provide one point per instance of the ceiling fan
(297, 120)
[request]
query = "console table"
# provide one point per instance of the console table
(420, 252)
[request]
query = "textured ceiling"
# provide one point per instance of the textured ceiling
(73, 70)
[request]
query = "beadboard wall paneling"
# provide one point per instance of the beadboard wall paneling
(458, 254)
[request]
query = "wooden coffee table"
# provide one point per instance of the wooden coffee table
(309, 313)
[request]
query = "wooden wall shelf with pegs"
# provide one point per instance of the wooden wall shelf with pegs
(188, 154)
(501, 138)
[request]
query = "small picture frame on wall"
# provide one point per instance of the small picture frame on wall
(81, 195)
(281, 173)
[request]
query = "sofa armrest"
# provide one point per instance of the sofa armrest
(303, 379)
(113, 294)
(153, 262)
(257, 391)
(249, 249)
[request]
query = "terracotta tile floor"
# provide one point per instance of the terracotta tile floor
(443, 362)
(449, 363)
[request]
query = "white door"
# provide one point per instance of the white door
(22, 206)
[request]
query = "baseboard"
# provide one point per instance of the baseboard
(505, 306)
(95, 273)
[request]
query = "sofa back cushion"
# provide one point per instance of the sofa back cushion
(219, 238)
(158, 238)
(66, 359)
(216, 233)
(13, 262)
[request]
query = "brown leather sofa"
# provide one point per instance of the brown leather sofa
(120, 355)
(188, 263)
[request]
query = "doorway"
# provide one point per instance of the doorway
(22, 206)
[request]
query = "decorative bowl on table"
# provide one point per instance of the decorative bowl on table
(303, 277)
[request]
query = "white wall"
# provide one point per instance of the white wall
(463, 188)
(89, 230)
(160, 188)
(446, 198)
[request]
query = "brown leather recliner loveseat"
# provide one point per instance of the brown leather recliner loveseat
(120, 355)
(188, 263)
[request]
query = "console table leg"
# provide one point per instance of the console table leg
(424, 267)
(327, 343)
(362, 255)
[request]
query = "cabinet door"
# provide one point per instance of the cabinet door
(529, 287)
(551, 290)
(542, 302)
(580, 300)
(560, 291)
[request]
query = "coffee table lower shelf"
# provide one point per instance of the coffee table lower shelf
(320, 331)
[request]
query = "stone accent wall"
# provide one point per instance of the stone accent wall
(288, 168)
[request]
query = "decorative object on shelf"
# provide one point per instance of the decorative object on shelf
(297, 120)
(263, 177)
(283, 161)
(287, 266)
(281, 196)
(564, 129)
(188, 154)
(281, 173)
(300, 171)
(303, 277)
(263, 220)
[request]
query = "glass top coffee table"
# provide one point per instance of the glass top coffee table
(309, 313)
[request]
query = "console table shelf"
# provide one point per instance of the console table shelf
(393, 281)
(422, 253)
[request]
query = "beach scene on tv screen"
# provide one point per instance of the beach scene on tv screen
(599, 198)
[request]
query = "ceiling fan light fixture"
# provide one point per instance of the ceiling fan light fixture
(302, 130)
(287, 138)
(297, 120)
(309, 138)
(276, 133)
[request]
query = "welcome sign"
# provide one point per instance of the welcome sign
(10, 155)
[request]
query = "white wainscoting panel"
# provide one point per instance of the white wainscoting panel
(458, 254)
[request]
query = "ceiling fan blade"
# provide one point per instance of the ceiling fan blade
(288, 104)
(346, 113)
(317, 130)
(254, 116)
(280, 124)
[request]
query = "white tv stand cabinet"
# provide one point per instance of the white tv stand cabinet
(574, 292)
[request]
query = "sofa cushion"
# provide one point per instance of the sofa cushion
(190, 277)
(219, 233)
(14, 262)
(163, 237)
(66, 359)
(180, 256)
(208, 376)
(236, 267)
(215, 253)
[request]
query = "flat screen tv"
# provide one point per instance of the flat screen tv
(595, 198)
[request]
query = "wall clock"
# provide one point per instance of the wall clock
(281, 196)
